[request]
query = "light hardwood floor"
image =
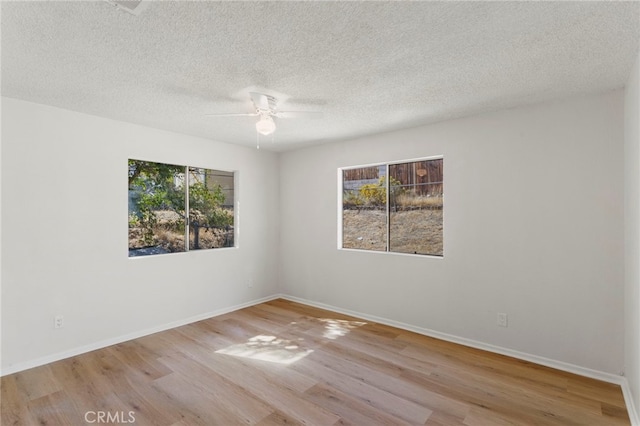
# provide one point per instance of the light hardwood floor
(286, 363)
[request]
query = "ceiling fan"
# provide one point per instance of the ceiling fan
(267, 109)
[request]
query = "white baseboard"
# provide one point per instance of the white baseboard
(114, 341)
(634, 416)
(571, 368)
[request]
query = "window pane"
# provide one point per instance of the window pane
(364, 208)
(416, 207)
(211, 199)
(156, 208)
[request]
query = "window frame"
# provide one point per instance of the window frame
(386, 164)
(187, 248)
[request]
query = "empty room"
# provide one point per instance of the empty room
(320, 213)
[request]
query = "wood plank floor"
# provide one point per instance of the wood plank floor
(286, 363)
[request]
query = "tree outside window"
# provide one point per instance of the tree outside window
(171, 214)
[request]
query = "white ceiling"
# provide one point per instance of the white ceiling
(369, 66)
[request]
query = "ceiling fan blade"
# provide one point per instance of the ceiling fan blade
(259, 100)
(303, 114)
(253, 114)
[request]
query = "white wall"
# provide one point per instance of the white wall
(533, 228)
(64, 223)
(632, 232)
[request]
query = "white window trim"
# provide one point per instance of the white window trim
(236, 214)
(340, 186)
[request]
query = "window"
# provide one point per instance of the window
(394, 207)
(171, 214)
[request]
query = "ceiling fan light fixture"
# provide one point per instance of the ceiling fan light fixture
(266, 125)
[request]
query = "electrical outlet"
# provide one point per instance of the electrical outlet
(502, 319)
(58, 321)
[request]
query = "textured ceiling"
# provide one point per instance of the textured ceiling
(368, 66)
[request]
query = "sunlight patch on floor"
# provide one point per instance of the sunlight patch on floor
(335, 328)
(267, 348)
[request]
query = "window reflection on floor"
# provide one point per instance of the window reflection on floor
(267, 347)
(335, 328)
